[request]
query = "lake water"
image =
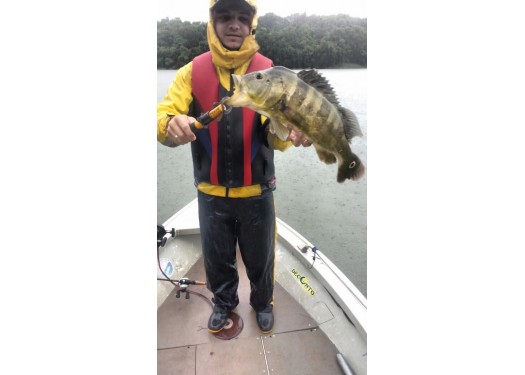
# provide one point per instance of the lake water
(330, 215)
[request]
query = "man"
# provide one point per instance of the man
(232, 162)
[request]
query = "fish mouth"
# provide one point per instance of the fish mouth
(236, 81)
(239, 97)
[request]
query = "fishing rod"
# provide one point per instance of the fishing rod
(181, 284)
(206, 118)
(183, 281)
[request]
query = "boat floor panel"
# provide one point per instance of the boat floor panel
(180, 361)
(238, 356)
(301, 352)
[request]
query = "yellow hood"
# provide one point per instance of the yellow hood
(222, 56)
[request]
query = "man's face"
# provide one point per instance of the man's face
(232, 26)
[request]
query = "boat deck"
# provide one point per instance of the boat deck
(295, 346)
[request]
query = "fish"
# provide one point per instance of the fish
(305, 102)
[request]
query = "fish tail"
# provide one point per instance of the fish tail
(352, 169)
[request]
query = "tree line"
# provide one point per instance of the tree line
(297, 41)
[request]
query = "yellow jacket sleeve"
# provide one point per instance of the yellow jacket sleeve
(281, 145)
(176, 102)
(273, 141)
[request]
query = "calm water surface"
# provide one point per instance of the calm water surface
(330, 215)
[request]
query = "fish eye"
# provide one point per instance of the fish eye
(259, 76)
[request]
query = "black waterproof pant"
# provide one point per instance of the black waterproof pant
(250, 222)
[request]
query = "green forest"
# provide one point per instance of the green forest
(297, 41)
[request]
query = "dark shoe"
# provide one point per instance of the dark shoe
(265, 319)
(218, 319)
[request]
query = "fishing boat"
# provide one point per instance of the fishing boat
(320, 316)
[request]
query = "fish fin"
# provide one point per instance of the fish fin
(352, 169)
(325, 156)
(279, 129)
(350, 123)
(320, 83)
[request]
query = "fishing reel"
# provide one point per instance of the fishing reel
(183, 288)
(184, 283)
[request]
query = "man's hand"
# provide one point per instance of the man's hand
(179, 131)
(298, 139)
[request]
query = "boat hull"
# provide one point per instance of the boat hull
(318, 312)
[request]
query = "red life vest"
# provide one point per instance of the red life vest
(205, 84)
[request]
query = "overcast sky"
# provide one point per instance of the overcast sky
(197, 10)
